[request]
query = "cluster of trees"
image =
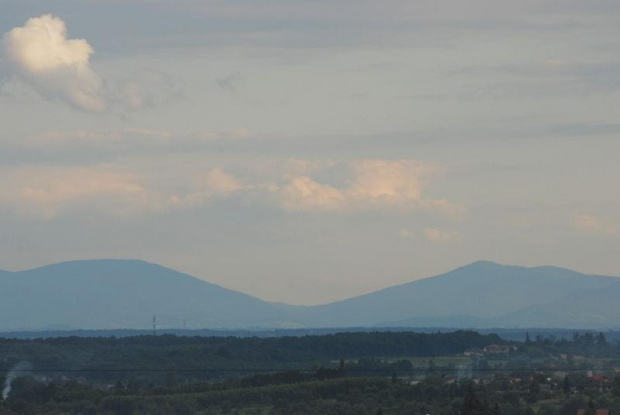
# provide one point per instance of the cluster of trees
(143, 358)
(586, 344)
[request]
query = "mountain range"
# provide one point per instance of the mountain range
(125, 294)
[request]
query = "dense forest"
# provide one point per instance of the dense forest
(108, 358)
(462, 372)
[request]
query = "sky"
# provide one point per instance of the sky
(309, 151)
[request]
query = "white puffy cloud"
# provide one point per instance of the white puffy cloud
(373, 184)
(42, 55)
(390, 181)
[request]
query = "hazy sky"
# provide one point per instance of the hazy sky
(307, 151)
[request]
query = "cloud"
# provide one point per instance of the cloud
(56, 66)
(304, 194)
(435, 235)
(591, 224)
(222, 183)
(391, 181)
(41, 55)
(48, 193)
(303, 186)
(403, 23)
(215, 184)
(327, 186)
(373, 184)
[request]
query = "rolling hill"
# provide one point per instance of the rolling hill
(592, 308)
(482, 294)
(124, 294)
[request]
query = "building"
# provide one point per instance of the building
(598, 412)
(497, 349)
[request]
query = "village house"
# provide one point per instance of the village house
(497, 349)
(474, 352)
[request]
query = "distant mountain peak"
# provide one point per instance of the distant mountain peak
(120, 261)
(126, 293)
(485, 264)
(90, 262)
(123, 293)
